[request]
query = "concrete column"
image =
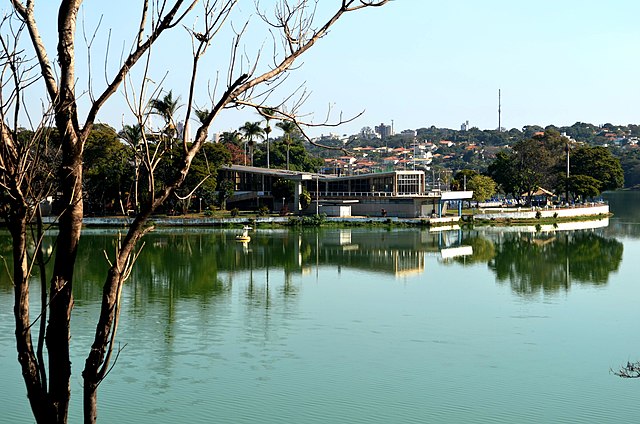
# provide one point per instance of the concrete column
(296, 197)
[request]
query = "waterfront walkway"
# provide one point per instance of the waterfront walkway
(589, 209)
(482, 214)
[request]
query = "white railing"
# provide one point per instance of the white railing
(363, 194)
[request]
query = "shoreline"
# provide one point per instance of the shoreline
(496, 216)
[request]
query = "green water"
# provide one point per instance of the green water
(362, 326)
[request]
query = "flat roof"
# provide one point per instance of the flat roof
(311, 175)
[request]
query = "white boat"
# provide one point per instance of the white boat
(244, 236)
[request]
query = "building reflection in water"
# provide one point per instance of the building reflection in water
(177, 263)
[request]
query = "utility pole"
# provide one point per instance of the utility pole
(567, 148)
(499, 112)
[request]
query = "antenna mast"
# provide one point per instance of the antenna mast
(499, 112)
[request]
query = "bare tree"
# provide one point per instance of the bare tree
(630, 370)
(248, 82)
(25, 179)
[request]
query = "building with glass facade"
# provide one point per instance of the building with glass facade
(394, 193)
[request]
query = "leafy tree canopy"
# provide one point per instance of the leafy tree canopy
(599, 163)
(483, 187)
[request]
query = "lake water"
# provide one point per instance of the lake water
(362, 326)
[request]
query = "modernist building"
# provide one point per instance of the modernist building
(393, 193)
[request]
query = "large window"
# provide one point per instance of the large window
(382, 184)
(409, 183)
(360, 185)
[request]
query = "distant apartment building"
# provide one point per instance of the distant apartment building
(384, 131)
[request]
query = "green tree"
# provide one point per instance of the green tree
(527, 167)
(599, 163)
(483, 187)
(252, 131)
(233, 141)
(584, 186)
(289, 128)
(305, 198)
(301, 160)
(225, 191)
(282, 188)
(579, 186)
(268, 114)
(109, 175)
(462, 178)
(133, 136)
(166, 107)
(530, 130)
(533, 166)
(502, 171)
(201, 181)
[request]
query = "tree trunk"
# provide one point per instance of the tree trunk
(37, 394)
(95, 360)
(61, 294)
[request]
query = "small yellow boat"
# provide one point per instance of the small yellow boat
(244, 237)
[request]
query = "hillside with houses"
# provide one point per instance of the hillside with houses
(443, 150)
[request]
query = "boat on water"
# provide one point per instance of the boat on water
(244, 236)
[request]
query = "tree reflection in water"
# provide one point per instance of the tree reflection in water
(204, 265)
(532, 263)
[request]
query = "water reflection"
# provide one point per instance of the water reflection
(552, 263)
(205, 264)
(206, 311)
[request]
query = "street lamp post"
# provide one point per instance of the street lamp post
(566, 186)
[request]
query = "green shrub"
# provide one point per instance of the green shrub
(294, 221)
(307, 221)
(235, 212)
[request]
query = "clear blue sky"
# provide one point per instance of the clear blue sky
(422, 63)
(425, 63)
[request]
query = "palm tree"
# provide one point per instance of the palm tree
(289, 128)
(166, 108)
(231, 137)
(133, 135)
(251, 131)
(233, 141)
(268, 113)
